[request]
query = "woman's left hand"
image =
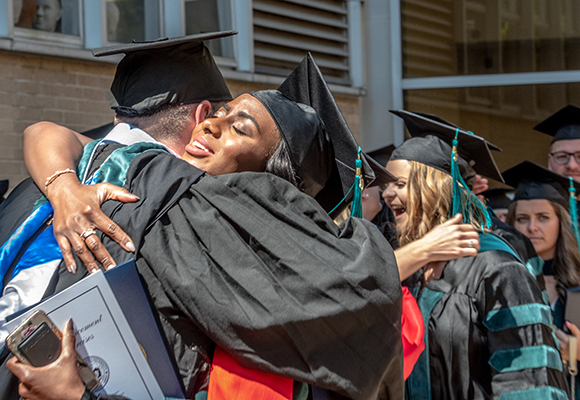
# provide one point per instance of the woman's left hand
(59, 380)
(563, 339)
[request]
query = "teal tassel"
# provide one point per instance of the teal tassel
(356, 207)
(574, 212)
(462, 198)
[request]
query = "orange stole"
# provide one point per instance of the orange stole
(228, 380)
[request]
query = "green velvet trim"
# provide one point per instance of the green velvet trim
(419, 382)
(87, 155)
(545, 297)
(522, 315)
(535, 265)
(114, 169)
(525, 358)
(544, 393)
(490, 242)
(201, 395)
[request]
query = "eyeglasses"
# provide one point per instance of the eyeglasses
(562, 157)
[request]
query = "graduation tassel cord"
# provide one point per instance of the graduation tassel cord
(462, 198)
(574, 212)
(356, 208)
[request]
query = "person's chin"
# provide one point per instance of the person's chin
(401, 221)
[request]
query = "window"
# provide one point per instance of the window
(209, 16)
(52, 16)
(128, 20)
(285, 30)
(469, 37)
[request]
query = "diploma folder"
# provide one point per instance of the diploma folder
(116, 332)
(572, 312)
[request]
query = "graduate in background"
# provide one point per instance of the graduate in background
(498, 201)
(564, 127)
(540, 211)
(474, 349)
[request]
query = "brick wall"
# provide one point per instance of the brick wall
(36, 88)
(73, 93)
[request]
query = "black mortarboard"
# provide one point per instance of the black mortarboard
(497, 197)
(99, 132)
(563, 125)
(534, 182)
(431, 144)
(382, 155)
(305, 135)
(165, 73)
(306, 85)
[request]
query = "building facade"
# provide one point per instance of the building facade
(47, 71)
(495, 67)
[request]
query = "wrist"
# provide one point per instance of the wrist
(61, 184)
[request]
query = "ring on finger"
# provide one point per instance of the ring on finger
(88, 232)
(472, 244)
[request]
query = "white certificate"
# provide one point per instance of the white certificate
(103, 338)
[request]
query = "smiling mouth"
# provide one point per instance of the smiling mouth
(398, 210)
(199, 146)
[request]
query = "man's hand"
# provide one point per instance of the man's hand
(77, 213)
(59, 380)
(480, 185)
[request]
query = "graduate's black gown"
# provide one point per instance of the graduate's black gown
(248, 262)
(489, 334)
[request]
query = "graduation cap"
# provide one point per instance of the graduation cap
(563, 125)
(432, 141)
(382, 155)
(533, 182)
(450, 149)
(306, 85)
(164, 73)
(306, 138)
(497, 198)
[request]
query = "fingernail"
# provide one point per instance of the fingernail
(69, 324)
(135, 196)
(72, 269)
(568, 323)
(130, 246)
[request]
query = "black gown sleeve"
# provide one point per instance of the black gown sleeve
(523, 353)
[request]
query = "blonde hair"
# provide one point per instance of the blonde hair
(428, 202)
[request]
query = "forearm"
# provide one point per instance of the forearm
(49, 148)
(411, 257)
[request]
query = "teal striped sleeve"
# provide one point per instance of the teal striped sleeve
(518, 316)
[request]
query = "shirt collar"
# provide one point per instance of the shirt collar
(127, 134)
